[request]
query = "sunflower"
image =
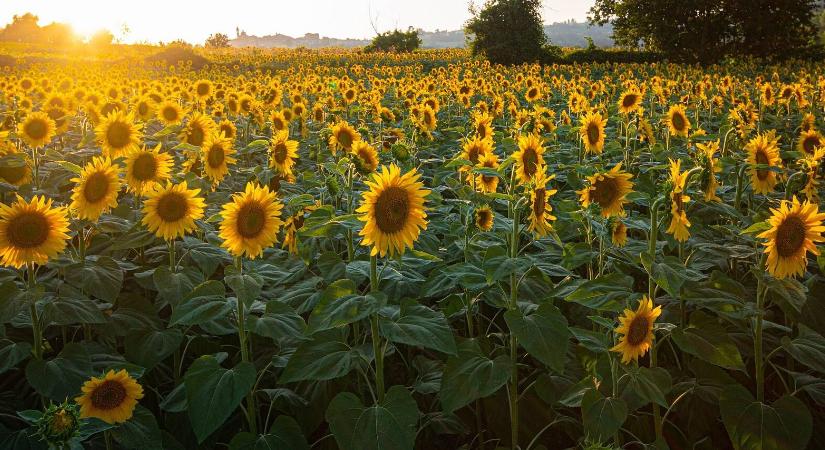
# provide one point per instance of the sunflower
(763, 151)
(170, 113)
(366, 157)
(15, 168)
(31, 232)
(118, 134)
(710, 168)
(393, 211)
(216, 155)
(609, 190)
(679, 222)
(629, 101)
(96, 189)
(809, 141)
(171, 211)
(37, 129)
(795, 230)
(111, 398)
(228, 129)
(636, 330)
(343, 136)
(483, 126)
(592, 132)
(279, 122)
(540, 209)
(618, 234)
(146, 168)
(483, 218)
(203, 89)
(427, 121)
(529, 157)
(487, 183)
(677, 121)
(251, 221)
(473, 149)
(283, 152)
(144, 109)
(810, 164)
(199, 127)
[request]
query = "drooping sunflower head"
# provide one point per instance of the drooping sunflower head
(228, 128)
(809, 141)
(483, 218)
(636, 330)
(96, 189)
(31, 232)
(145, 168)
(283, 153)
(592, 132)
(365, 157)
(708, 163)
(679, 222)
(171, 211)
(251, 221)
(473, 149)
(15, 166)
(608, 190)
(111, 398)
(37, 129)
(541, 217)
(216, 155)
(796, 228)
(483, 182)
(199, 127)
(763, 158)
(118, 134)
(529, 157)
(618, 233)
(393, 211)
(677, 121)
(343, 136)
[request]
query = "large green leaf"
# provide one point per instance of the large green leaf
(334, 309)
(390, 425)
(101, 278)
(705, 338)
(415, 324)
(670, 274)
(213, 393)
(644, 385)
(12, 353)
(173, 286)
(139, 432)
(602, 416)
(280, 322)
(245, 286)
(149, 347)
(61, 377)
(544, 334)
(323, 358)
(807, 348)
(204, 303)
(70, 310)
(11, 302)
(471, 375)
(284, 434)
(607, 292)
(752, 425)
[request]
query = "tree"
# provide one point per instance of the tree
(707, 30)
(396, 41)
(102, 38)
(507, 31)
(217, 40)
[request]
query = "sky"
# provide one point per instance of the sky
(193, 20)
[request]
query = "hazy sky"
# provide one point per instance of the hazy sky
(194, 20)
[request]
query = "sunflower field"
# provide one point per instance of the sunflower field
(339, 250)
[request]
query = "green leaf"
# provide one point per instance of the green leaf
(605, 293)
(173, 286)
(12, 353)
(334, 310)
(149, 347)
(602, 416)
(670, 274)
(390, 425)
(284, 434)
(11, 302)
(246, 287)
(471, 375)
(644, 385)
(61, 377)
(416, 325)
(544, 334)
(68, 310)
(101, 278)
(808, 348)
(205, 303)
(322, 358)
(706, 339)
(139, 432)
(753, 425)
(280, 322)
(213, 393)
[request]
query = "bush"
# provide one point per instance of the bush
(508, 32)
(174, 55)
(396, 41)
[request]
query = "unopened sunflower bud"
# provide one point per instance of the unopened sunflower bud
(59, 424)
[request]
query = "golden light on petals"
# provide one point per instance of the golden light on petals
(96, 189)
(171, 211)
(251, 221)
(32, 232)
(796, 228)
(608, 190)
(111, 398)
(636, 330)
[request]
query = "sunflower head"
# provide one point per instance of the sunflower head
(216, 155)
(197, 130)
(483, 218)
(169, 113)
(636, 330)
(96, 189)
(608, 190)
(393, 211)
(365, 157)
(117, 134)
(618, 233)
(343, 136)
(32, 232)
(629, 101)
(796, 228)
(541, 215)
(283, 153)
(59, 424)
(251, 221)
(677, 121)
(111, 398)
(529, 157)
(171, 211)
(592, 132)
(145, 168)
(809, 141)
(763, 156)
(37, 129)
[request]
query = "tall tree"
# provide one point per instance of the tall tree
(507, 31)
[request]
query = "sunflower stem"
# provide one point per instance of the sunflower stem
(172, 265)
(37, 349)
(376, 338)
(759, 365)
(513, 306)
(251, 411)
(651, 286)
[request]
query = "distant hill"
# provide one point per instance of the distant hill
(564, 34)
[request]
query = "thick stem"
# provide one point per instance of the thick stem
(251, 410)
(759, 363)
(651, 290)
(172, 265)
(37, 338)
(513, 306)
(377, 347)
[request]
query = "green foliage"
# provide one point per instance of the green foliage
(396, 41)
(508, 32)
(217, 40)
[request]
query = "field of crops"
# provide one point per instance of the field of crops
(334, 250)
